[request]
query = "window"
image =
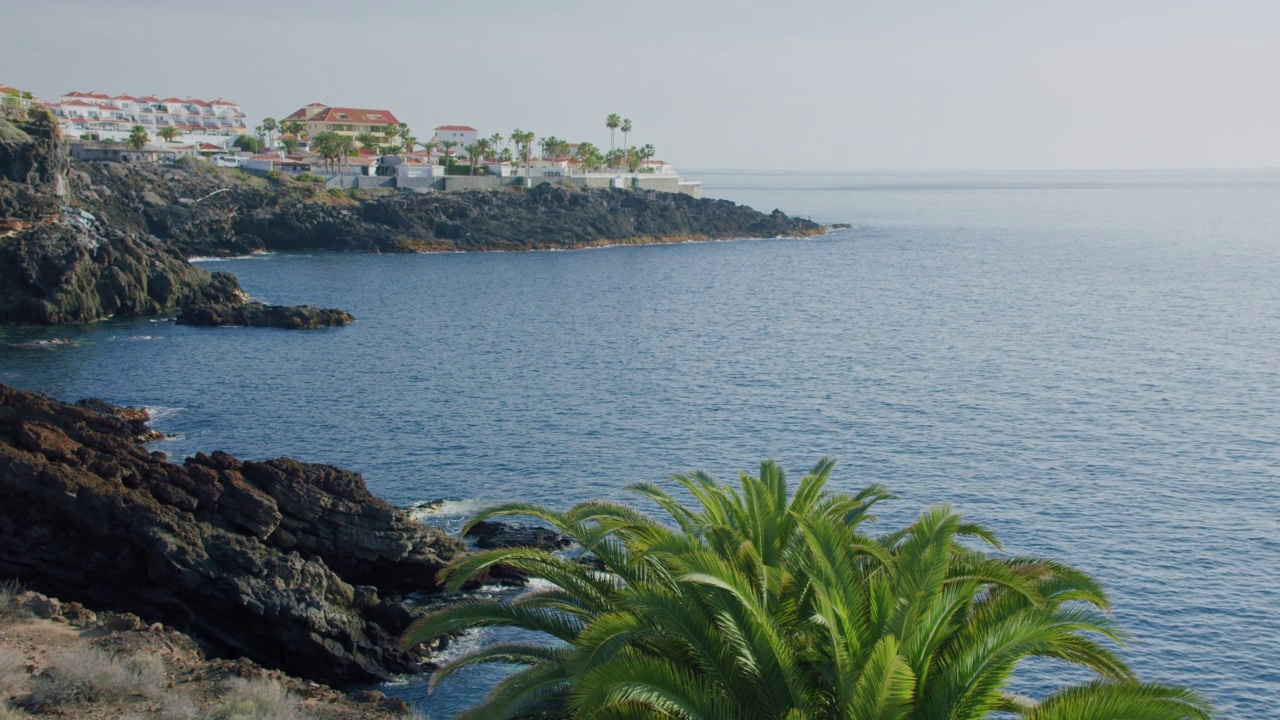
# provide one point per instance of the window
(342, 116)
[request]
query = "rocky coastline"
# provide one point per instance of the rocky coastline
(85, 241)
(295, 566)
(256, 314)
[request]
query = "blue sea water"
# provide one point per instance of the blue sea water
(1087, 362)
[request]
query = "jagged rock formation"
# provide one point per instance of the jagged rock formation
(59, 264)
(300, 317)
(293, 565)
(177, 205)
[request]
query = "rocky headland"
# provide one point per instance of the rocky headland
(62, 264)
(253, 214)
(83, 241)
(295, 566)
(64, 259)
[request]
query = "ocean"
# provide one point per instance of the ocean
(1088, 362)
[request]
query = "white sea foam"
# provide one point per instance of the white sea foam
(212, 258)
(435, 509)
(159, 412)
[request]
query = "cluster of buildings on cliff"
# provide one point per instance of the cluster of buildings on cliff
(192, 127)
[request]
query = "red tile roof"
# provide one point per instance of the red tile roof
(77, 103)
(353, 116)
(209, 146)
(456, 127)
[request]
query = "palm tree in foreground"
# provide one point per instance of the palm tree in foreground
(753, 603)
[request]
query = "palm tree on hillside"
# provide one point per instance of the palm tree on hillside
(612, 122)
(138, 137)
(524, 144)
(428, 147)
(763, 602)
(168, 133)
(474, 151)
(269, 127)
(626, 130)
(343, 147)
(368, 140)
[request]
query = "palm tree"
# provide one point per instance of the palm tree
(612, 122)
(269, 126)
(474, 152)
(429, 146)
(368, 140)
(138, 137)
(410, 142)
(168, 132)
(495, 141)
(757, 602)
(343, 148)
(294, 128)
(289, 143)
(524, 143)
(626, 130)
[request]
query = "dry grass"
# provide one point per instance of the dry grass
(89, 675)
(13, 671)
(8, 713)
(257, 700)
(10, 610)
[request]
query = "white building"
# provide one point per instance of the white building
(460, 135)
(216, 122)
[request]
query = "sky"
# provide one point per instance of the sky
(801, 84)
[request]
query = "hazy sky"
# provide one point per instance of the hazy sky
(923, 84)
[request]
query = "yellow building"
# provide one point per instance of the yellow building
(318, 118)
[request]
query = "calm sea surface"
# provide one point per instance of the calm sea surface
(1087, 362)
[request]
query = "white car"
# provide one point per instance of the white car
(227, 161)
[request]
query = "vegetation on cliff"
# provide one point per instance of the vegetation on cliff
(760, 603)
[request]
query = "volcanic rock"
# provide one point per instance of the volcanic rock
(255, 559)
(298, 317)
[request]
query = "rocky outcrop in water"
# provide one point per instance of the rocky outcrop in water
(299, 317)
(60, 263)
(178, 204)
(296, 566)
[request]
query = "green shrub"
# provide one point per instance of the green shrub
(309, 177)
(88, 675)
(257, 700)
(275, 175)
(336, 192)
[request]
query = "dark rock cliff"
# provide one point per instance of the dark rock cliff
(177, 204)
(62, 264)
(300, 317)
(296, 566)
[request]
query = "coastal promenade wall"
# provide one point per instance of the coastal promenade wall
(457, 183)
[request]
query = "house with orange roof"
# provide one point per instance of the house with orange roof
(318, 118)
